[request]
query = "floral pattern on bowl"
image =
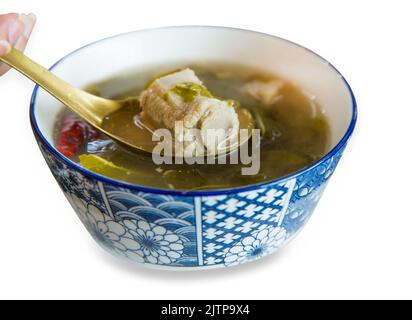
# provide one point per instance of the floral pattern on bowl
(187, 231)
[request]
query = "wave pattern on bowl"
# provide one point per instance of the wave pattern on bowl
(192, 231)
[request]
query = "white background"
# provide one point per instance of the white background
(358, 243)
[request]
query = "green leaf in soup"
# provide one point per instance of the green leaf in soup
(277, 163)
(260, 123)
(233, 103)
(273, 130)
(184, 179)
(107, 168)
(267, 124)
(102, 166)
(188, 91)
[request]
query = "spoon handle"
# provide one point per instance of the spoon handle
(89, 107)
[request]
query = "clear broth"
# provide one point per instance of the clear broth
(294, 131)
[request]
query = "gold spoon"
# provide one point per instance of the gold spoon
(91, 108)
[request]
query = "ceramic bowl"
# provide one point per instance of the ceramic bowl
(203, 229)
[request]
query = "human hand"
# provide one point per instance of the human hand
(15, 30)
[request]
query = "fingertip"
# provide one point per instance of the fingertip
(32, 16)
(29, 21)
(21, 43)
(5, 47)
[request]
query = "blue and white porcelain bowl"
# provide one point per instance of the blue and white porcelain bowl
(203, 229)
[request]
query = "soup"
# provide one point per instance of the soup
(293, 130)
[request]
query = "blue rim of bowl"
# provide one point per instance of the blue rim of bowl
(135, 187)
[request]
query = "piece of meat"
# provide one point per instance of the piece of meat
(156, 107)
(218, 123)
(268, 92)
(181, 97)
